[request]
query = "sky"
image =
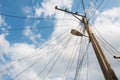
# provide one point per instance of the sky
(35, 28)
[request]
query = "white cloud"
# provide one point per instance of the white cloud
(28, 11)
(49, 6)
(4, 26)
(4, 45)
(17, 51)
(48, 10)
(108, 23)
(20, 50)
(4, 53)
(32, 35)
(38, 12)
(1, 20)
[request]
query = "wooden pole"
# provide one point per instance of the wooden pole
(105, 67)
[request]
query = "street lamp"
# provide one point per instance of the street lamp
(77, 33)
(117, 57)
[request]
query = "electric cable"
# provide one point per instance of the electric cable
(23, 17)
(54, 64)
(80, 62)
(72, 57)
(86, 52)
(83, 7)
(90, 9)
(106, 4)
(108, 48)
(45, 27)
(29, 56)
(34, 64)
(106, 41)
(81, 50)
(67, 42)
(96, 10)
(77, 67)
(87, 66)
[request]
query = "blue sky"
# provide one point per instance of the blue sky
(20, 36)
(16, 8)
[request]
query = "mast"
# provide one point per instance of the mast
(104, 65)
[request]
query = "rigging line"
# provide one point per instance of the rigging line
(34, 64)
(83, 7)
(67, 42)
(96, 10)
(29, 56)
(72, 57)
(23, 17)
(45, 27)
(106, 41)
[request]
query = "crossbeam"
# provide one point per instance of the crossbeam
(65, 10)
